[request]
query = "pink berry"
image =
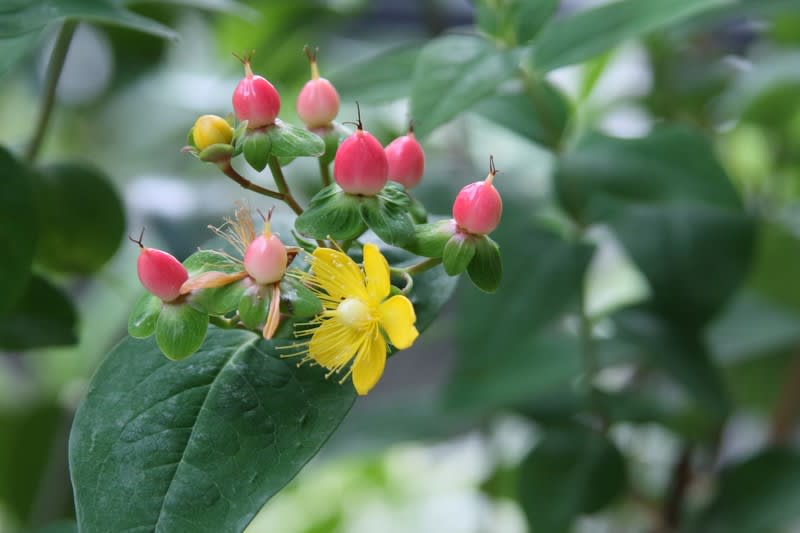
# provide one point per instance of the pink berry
(318, 101)
(255, 100)
(160, 273)
(265, 259)
(360, 166)
(478, 206)
(406, 160)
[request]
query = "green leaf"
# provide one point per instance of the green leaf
(539, 113)
(514, 21)
(681, 354)
(257, 146)
(486, 268)
(589, 33)
(430, 239)
(387, 215)
(180, 330)
(297, 300)
(36, 14)
(458, 253)
(198, 444)
(254, 306)
(453, 73)
(58, 527)
(18, 229)
(569, 473)
(332, 212)
(81, 218)
(759, 494)
(42, 317)
(603, 169)
(144, 316)
(382, 77)
(291, 141)
(13, 49)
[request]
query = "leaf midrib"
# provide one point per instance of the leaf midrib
(248, 344)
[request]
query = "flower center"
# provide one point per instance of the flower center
(353, 312)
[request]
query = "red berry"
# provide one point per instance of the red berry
(265, 259)
(160, 273)
(255, 100)
(478, 206)
(360, 166)
(318, 101)
(406, 160)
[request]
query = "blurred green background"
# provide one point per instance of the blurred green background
(638, 370)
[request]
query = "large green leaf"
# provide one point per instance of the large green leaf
(581, 36)
(43, 316)
(382, 77)
(199, 444)
(452, 73)
(759, 494)
(18, 229)
(514, 21)
(13, 49)
(81, 218)
(569, 473)
(23, 17)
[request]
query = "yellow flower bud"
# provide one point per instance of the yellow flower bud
(211, 129)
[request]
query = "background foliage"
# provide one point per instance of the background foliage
(637, 369)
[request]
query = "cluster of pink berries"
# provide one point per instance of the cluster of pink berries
(362, 170)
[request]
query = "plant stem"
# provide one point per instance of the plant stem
(787, 410)
(283, 187)
(679, 483)
(229, 171)
(324, 172)
(420, 267)
(54, 68)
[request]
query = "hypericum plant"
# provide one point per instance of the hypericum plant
(355, 279)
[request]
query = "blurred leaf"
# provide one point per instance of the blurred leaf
(759, 494)
(589, 33)
(681, 354)
(451, 74)
(13, 49)
(383, 77)
(81, 218)
(36, 14)
(44, 316)
(27, 436)
(670, 165)
(18, 229)
(201, 443)
(539, 113)
(569, 473)
(59, 527)
(776, 264)
(505, 356)
(221, 6)
(514, 21)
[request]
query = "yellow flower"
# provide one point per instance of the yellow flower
(357, 315)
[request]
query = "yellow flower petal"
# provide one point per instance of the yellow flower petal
(370, 362)
(337, 274)
(397, 319)
(377, 270)
(334, 344)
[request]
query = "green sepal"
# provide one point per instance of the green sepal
(143, 317)
(254, 305)
(332, 136)
(417, 211)
(290, 141)
(332, 213)
(283, 161)
(256, 150)
(180, 330)
(458, 253)
(307, 245)
(216, 153)
(486, 268)
(297, 300)
(239, 136)
(220, 300)
(430, 239)
(387, 215)
(190, 138)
